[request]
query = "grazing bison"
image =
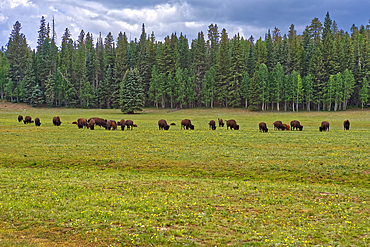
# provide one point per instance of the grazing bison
(81, 122)
(37, 121)
(91, 124)
(263, 127)
(324, 126)
(232, 124)
(220, 122)
(212, 124)
(286, 126)
(99, 121)
(130, 124)
(111, 124)
(296, 125)
(162, 124)
(56, 121)
(27, 120)
(278, 125)
(172, 124)
(346, 124)
(186, 123)
(122, 123)
(20, 118)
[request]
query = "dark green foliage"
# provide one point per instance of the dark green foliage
(131, 92)
(37, 97)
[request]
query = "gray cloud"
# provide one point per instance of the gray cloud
(165, 17)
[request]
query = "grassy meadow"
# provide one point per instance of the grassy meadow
(145, 187)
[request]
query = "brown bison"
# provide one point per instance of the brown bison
(172, 124)
(220, 122)
(81, 122)
(278, 125)
(27, 120)
(20, 118)
(324, 126)
(91, 124)
(296, 125)
(110, 124)
(56, 121)
(286, 126)
(130, 124)
(37, 121)
(162, 124)
(122, 123)
(346, 124)
(232, 124)
(186, 123)
(212, 125)
(99, 121)
(263, 127)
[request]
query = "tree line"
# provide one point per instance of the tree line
(323, 68)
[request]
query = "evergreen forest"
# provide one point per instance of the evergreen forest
(322, 69)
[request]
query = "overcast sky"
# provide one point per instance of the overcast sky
(165, 17)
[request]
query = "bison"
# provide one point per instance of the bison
(172, 124)
(111, 124)
(162, 124)
(212, 124)
(56, 121)
(20, 118)
(286, 126)
(186, 123)
(220, 122)
(346, 124)
(263, 127)
(278, 125)
(296, 125)
(232, 124)
(27, 120)
(91, 124)
(99, 121)
(37, 121)
(81, 122)
(122, 123)
(324, 126)
(130, 124)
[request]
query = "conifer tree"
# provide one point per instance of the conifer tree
(253, 93)
(49, 90)
(299, 91)
(317, 72)
(209, 87)
(37, 96)
(276, 85)
(4, 66)
(184, 53)
(16, 56)
(120, 68)
(223, 69)
(244, 86)
(199, 63)
(308, 90)
(364, 92)
(131, 92)
(330, 92)
(262, 83)
(213, 43)
(338, 91)
(237, 73)
(348, 85)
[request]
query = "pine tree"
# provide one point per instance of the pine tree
(131, 92)
(213, 44)
(348, 85)
(308, 90)
(16, 56)
(237, 72)
(223, 69)
(49, 90)
(364, 92)
(338, 90)
(184, 53)
(199, 63)
(276, 85)
(330, 91)
(299, 91)
(244, 86)
(253, 93)
(317, 72)
(120, 68)
(315, 29)
(87, 95)
(37, 97)
(209, 87)
(262, 83)
(155, 87)
(4, 66)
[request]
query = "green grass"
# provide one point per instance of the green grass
(62, 185)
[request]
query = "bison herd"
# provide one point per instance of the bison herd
(185, 124)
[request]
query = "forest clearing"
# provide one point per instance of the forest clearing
(61, 185)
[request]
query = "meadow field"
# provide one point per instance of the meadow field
(64, 186)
